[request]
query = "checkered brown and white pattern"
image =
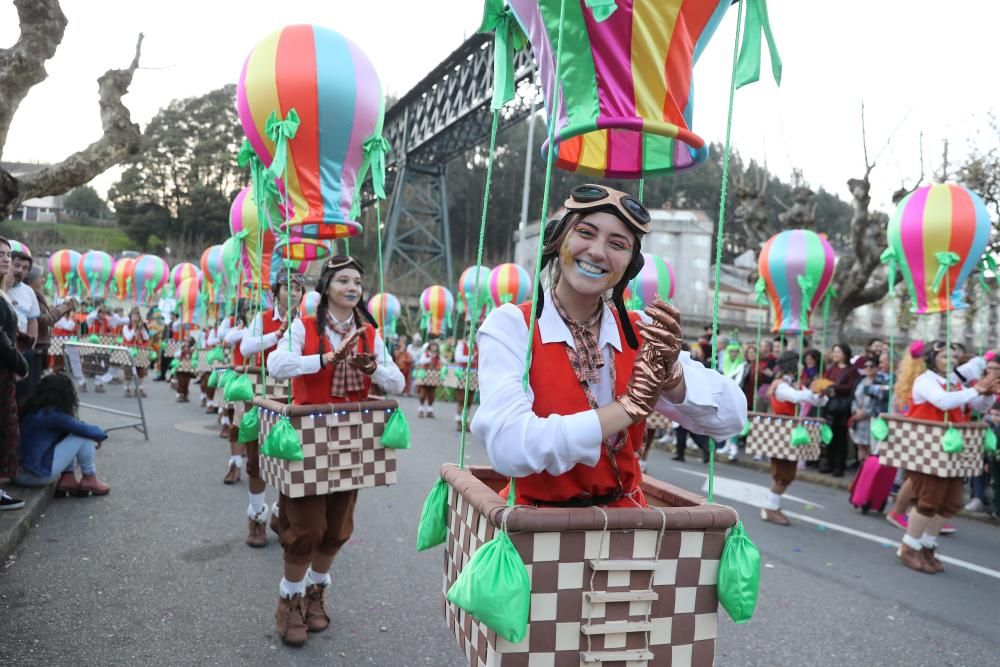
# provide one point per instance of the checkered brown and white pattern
(430, 379)
(172, 348)
(452, 379)
(121, 357)
(341, 451)
(771, 435)
(665, 614)
(273, 389)
(916, 445)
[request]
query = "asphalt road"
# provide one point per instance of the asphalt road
(157, 572)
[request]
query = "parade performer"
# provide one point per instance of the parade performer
(933, 398)
(135, 334)
(334, 356)
(784, 396)
(262, 336)
(597, 370)
(461, 360)
(184, 377)
(430, 362)
(101, 322)
(236, 328)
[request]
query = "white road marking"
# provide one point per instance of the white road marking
(743, 492)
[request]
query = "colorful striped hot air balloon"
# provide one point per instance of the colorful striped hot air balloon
(257, 241)
(310, 301)
(63, 267)
(509, 283)
(655, 279)
(385, 308)
(18, 247)
(625, 81)
(181, 272)
(212, 271)
(794, 263)
(467, 290)
(121, 278)
(149, 274)
(334, 89)
(187, 298)
(95, 269)
(940, 232)
(436, 304)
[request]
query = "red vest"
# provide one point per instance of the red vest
(315, 389)
(779, 407)
(101, 326)
(270, 325)
(930, 412)
(137, 339)
(558, 392)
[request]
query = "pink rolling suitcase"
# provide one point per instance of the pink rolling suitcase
(872, 485)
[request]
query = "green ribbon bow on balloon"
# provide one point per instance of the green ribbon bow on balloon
(808, 287)
(508, 39)
(987, 263)
(748, 63)
(281, 132)
(889, 258)
(373, 152)
(945, 260)
(760, 287)
(264, 187)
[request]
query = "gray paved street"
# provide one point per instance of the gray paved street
(157, 572)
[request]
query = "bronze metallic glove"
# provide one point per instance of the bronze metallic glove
(347, 346)
(644, 385)
(365, 363)
(665, 336)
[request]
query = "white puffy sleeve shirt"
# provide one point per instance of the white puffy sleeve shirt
(929, 388)
(519, 442)
(787, 392)
(287, 360)
(253, 342)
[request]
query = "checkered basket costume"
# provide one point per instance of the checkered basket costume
(340, 446)
(915, 444)
(431, 378)
(608, 587)
(202, 364)
(273, 389)
(771, 435)
(452, 379)
(656, 420)
(96, 361)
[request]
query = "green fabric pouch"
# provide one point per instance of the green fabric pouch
(825, 434)
(397, 431)
(951, 443)
(879, 429)
(283, 442)
(213, 380)
(433, 527)
(739, 575)
(494, 588)
(238, 389)
(250, 425)
(990, 443)
(800, 436)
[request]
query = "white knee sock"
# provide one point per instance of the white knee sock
(290, 588)
(236, 460)
(928, 541)
(913, 543)
(773, 501)
(318, 579)
(257, 503)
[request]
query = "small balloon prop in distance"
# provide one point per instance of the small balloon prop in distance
(121, 278)
(467, 291)
(509, 283)
(213, 273)
(655, 279)
(385, 308)
(181, 272)
(149, 274)
(797, 267)
(19, 247)
(187, 298)
(309, 97)
(436, 304)
(95, 270)
(63, 266)
(257, 241)
(938, 234)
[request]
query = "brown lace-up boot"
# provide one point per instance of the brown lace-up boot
(316, 618)
(290, 620)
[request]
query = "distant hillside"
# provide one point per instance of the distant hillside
(47, 237)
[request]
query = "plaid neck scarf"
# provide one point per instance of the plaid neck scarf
(586, 359)
(347, 379)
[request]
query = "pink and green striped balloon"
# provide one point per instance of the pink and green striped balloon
(149, 274)
(181, 272)
(467, 290)
(785, 258)
(95, 270)
(334, 89)
(942, 217)
(17, 246)
(509, 283)
(625, 83)
(655, 279)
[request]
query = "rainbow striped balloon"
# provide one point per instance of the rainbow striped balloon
(17, 246)
(938, 218)
(121, 278)
(310, 301)
(181, 272)
(213, 272)
(187, 298)
(625, 81)
(436, 304)
(257, 244)
(149, 274)
(785, 258)
(63, 267)
(337, 94)
(385, 308)
(655, 279)
(95, 269)
(509, 283)
(467, 290)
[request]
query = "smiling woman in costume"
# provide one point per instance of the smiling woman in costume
(333, 356)
(597, 371)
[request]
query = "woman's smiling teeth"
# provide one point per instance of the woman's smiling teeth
(589, 270)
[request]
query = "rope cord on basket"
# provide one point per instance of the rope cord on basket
(473, 321)
(719, 234)
(830, 292)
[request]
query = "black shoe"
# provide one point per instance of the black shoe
(838, 473)
(704, 458)
(825, 470)
(8, 503)
(677, 458)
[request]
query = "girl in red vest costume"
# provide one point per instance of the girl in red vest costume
(135, 334)
(783, 397)
(938, 498)
(263, 335)
(573, 439)
(430, 362)
(334, 356)
(461, 360)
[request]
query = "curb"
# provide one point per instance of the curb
(842, 483)
(14, 524)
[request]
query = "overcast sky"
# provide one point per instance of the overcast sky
(918, 65)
